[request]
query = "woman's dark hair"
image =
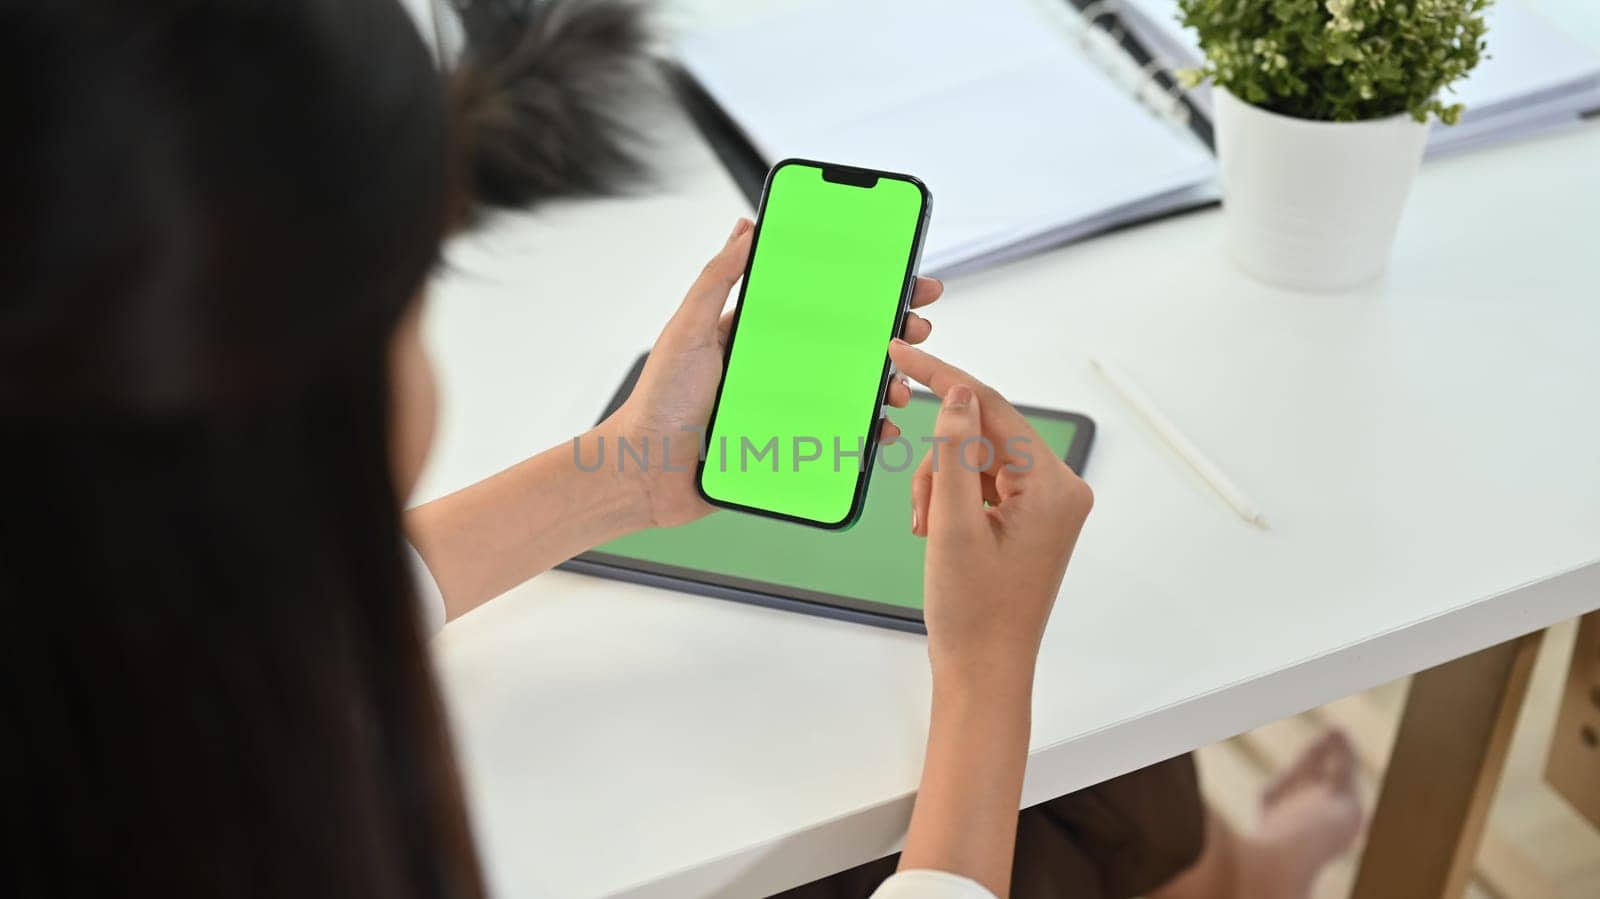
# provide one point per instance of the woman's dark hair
(213, 216)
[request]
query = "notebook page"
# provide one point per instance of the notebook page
(829, 62)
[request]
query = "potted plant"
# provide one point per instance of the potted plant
(1322, 111)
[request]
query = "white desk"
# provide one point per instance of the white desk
(1427, 450)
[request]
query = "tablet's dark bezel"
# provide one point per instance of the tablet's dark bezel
(794, 599)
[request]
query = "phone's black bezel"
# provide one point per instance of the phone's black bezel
(778, 596)
(907, 288)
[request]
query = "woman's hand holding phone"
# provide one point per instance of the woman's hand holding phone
(672, 401)
(481, 541)
(1001, 514)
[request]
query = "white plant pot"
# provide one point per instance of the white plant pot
(1313, 205)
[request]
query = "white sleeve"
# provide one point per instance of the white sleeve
(430, 600)
(927, 884)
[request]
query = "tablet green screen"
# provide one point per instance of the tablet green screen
(877, 561)
(810, 347)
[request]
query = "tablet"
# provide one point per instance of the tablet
(870, 574)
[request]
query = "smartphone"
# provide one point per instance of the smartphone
(793, 433)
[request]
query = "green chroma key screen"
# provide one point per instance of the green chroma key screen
(821, 300)
(875, 567)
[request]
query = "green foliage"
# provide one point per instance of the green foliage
(1338, 60)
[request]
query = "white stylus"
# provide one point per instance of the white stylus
(1183, 446)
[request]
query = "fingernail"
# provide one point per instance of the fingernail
(739, 227)
(899, 341)
(959, 397)
(940, 282)
(913, 520)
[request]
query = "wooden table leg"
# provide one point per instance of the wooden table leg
(1443, 771)
(1573, 768)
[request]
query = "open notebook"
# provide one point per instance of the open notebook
(1534, 78)
(1022, 139)
(1034, 124)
